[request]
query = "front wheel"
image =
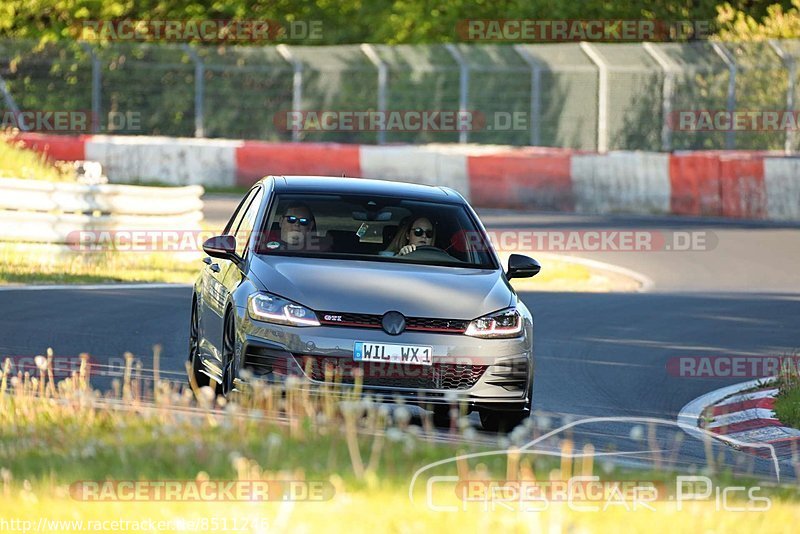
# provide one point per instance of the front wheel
(228, 355)
(201, 379)
(441, 416)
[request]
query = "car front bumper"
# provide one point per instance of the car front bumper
(481, 373)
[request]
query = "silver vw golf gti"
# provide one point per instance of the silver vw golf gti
(392, 285)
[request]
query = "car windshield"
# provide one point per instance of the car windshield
(364, 227)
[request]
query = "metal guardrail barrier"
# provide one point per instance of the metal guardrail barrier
(33, 211)
(589, 96)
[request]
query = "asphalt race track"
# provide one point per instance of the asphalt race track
(597, 355)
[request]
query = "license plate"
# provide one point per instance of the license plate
(391, 353)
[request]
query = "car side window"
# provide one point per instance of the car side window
(236, 218)
(247, 223)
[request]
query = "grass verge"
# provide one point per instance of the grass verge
(59, 437)
(19, 162)
(43, 264)
(787, 402)
(560, 273)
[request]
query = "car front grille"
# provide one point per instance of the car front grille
(436, 325)
(437, 376)
(362, 320)
(414, 324)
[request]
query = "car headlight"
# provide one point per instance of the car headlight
(505, 323)
(274, 309)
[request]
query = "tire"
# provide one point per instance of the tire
(441, 416)
(228, 355)
(502, 421)
(200, 378)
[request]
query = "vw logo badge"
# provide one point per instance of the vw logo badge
(393, 323)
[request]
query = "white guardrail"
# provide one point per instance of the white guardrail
(33, 211)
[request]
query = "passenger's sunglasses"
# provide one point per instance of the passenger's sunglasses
(293, 219)
(420, 231)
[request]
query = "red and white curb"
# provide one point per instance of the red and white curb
(742, 416)
(740, 184)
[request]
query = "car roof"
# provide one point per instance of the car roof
(365, 186)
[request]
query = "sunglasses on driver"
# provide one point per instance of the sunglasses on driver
(420, 231)
(293, 219)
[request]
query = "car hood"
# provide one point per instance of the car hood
(377, 287)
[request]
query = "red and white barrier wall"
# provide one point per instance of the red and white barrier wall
(753, 185)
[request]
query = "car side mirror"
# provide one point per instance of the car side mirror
(222, 247)
(520, 266)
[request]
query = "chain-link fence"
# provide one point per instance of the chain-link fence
(591, 96)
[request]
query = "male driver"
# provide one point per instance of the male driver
(298, 227)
